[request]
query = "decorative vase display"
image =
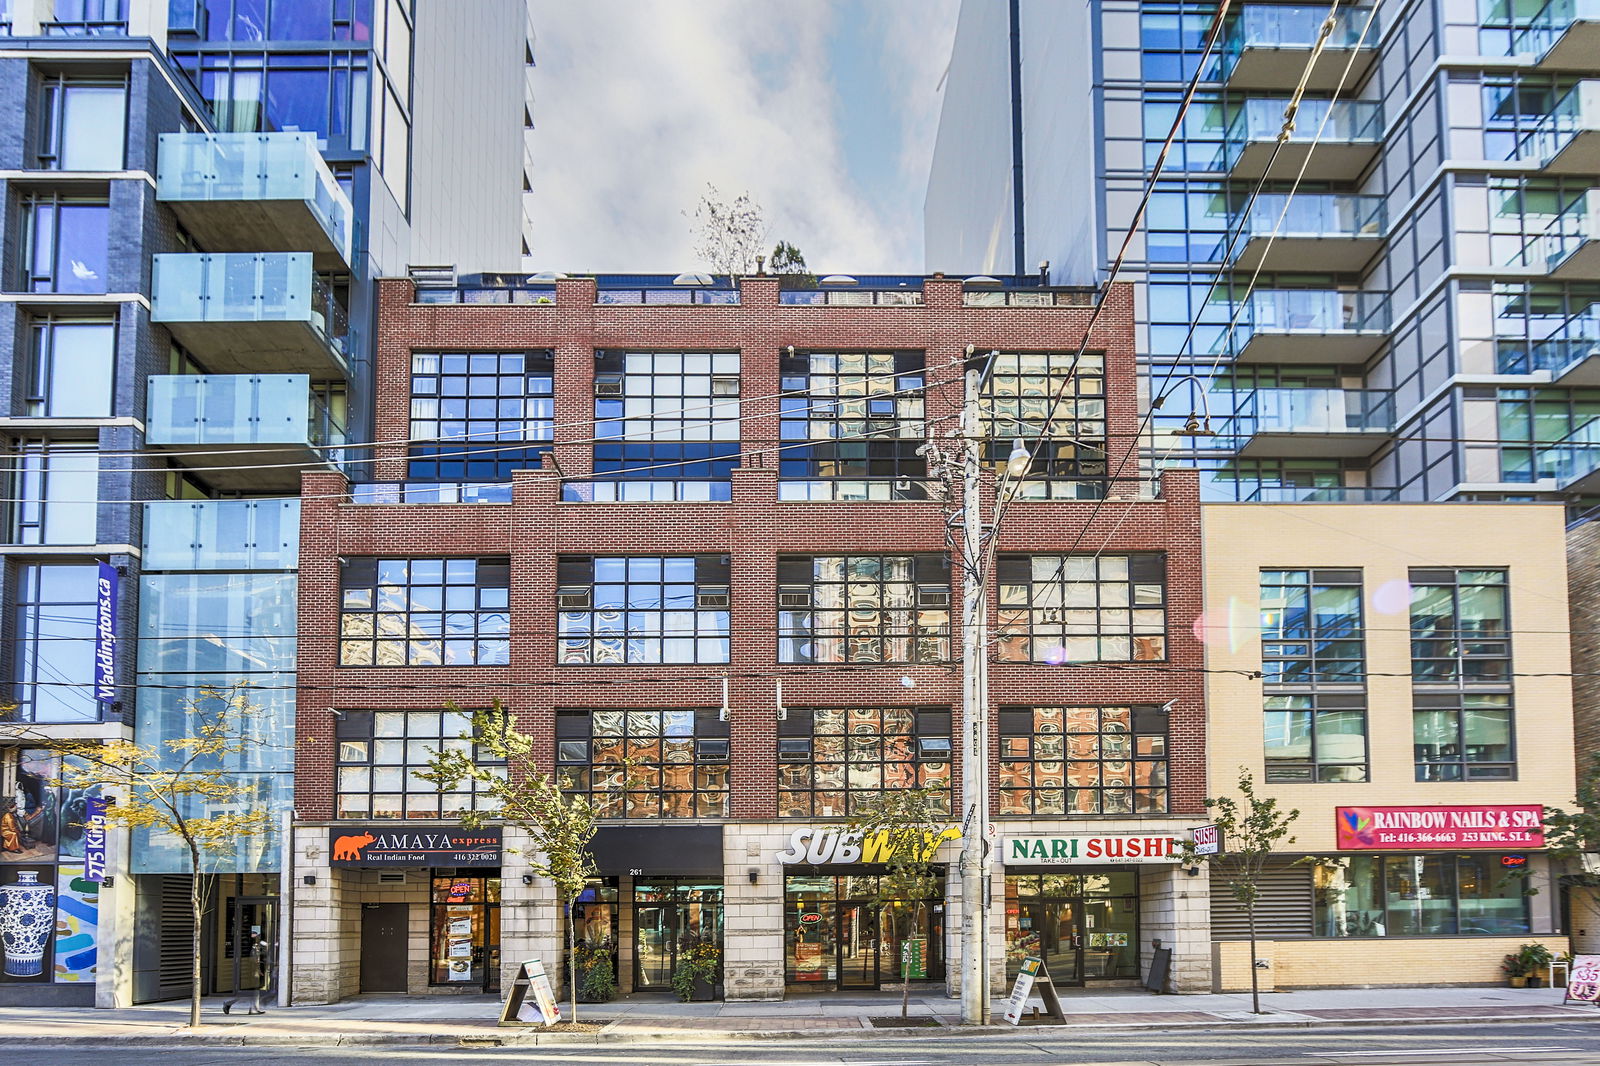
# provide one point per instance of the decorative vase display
(27, 917)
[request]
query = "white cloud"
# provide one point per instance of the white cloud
(640, 103)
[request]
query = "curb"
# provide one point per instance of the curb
(607, 1036)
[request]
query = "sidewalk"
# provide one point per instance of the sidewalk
(450, 1019)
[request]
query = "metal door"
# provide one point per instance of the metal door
(385, 928)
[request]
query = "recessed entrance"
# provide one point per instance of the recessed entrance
(671, 915)
(384, 931)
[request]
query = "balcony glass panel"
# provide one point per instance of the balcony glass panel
(239, 409)
(254, 166)
(246, 287)
(1577, 112)
(1347, 121)
(1571, 230)
(1315, 311)
(222, 535)
(1551, 21)
(1314, 411)
(1315, 215)
(1293, 26)
(1575, 456)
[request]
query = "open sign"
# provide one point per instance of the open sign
(461, 888)
(1513, 861)
(810, 919)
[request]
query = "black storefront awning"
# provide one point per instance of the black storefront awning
(694, 850)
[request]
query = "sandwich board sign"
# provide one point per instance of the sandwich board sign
(531, 1000)
(1033, 978)
(1583, 980)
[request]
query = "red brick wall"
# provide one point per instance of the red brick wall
(754, 529)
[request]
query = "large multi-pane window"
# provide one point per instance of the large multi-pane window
(1082, 608)
(329, 95)
(832, 761)
(864, 609)
(643, 609)
(1419, 895)
(477, 416)
(1462, 717)
(851, 424)
(666, 425)
(82, 124)
(65, 244)
(1083, 760)
(54, 488)
(1313, 664)
(53, 630)
(424, 612)
(1055, 402)
(71, 369)
(645, 763)
(381, 754)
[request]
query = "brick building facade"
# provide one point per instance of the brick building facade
(1133, 702)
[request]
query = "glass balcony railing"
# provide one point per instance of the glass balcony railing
(221, 535)
(1319, 494)
(1554, 354)
(1572, 458)
(1325, 122)
(1315, 215)
(1266, 47)
(240, 287)
(1572, 232)
(1576, 115)
(423, 492)
(1315, 311)
(1294, 26)
(1313, 412)
(239, 409)
(258, 168)
(1550, 24)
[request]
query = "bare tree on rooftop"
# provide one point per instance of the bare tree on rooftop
(729, 234)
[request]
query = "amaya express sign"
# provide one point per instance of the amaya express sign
(1088, 849)
(824, 846)
(385, 845)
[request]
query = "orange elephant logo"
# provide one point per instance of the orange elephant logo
(348, 849)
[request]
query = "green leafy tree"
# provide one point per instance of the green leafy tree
(559, 825)
(1253, 827)
(906, 827)
(1572, 840)
(186, 787)
(789, 263)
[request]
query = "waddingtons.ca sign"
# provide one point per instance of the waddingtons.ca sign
(360, 845)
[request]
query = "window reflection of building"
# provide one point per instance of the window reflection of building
(645, 763)
(464, 930)
(1419, 895)
(1084, 926)
(1081, 608)
(1083, 760)
(833, 760)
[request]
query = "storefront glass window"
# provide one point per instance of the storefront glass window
(464, 930)
(836, 936)
(1084, 926)
(671, 918)
(1419, 895)
(864, 609)
(1082, 608)
(832, 761)
(1083, 760)
(645, 763)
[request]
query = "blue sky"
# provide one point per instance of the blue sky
(824, 111)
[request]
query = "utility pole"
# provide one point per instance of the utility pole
(974, 724)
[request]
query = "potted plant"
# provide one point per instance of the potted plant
(695, 978)
(1516, 973)
(597, 977)
(1535, 960)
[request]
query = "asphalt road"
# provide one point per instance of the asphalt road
(1564, 1042)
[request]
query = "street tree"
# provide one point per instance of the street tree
(187, 787)
(1252, 828)
(1572, 840)
(903, 829)
(559, 825)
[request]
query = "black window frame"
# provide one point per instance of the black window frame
(490, 613)
(357, 749)
(1026, 748)
(493, 441)
(847, 743)
(916, 631)
(580, 640)
(631, 784)
(1034, 609)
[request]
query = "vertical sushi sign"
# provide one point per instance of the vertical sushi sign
(105, 637)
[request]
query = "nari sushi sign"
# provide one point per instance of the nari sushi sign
(1067, 849)
(1506, 825)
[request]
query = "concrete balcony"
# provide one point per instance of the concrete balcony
(1330, 231)
(1326, 423)
(1316, 326)
(1570, 246)
(1267, 46)
(252, 313)
(1563, 35)
(243, 432)
(1335, 140)
(256, 192)
(1567, 140)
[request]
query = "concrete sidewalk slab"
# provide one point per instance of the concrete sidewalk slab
(418, 1020)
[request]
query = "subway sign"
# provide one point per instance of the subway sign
(827, 846)
(1086, 849)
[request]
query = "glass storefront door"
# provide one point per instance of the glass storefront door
(836, 938)
(1084, 926)
(671, 915)
(464, 930)
(858, 945)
